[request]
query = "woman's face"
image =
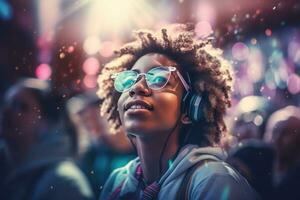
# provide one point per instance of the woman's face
(145, 112)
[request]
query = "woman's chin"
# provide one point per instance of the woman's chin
(137, 128)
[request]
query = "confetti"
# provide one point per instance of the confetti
(268, 32)
(61, 55)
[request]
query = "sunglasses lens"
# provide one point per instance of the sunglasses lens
(158, 77)
(125, 80)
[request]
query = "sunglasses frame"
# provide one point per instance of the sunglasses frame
(170, 68)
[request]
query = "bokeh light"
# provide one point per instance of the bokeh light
(5, 11)
(203, 29)
(115, 16)
(240, 51)
(255, 69)
(268, 32)
(71, 49)
(91, 45)
(293, 84)
(294, 51)
(206, 12)
(258, 120)
(91, 66)
(107, 48)
(90, 81)
(244, 86)
(43, 71)
(62, 55)
(267, 92)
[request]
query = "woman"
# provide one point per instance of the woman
(170, 92)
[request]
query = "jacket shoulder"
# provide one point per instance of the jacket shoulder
(218, 180)
(115, 179)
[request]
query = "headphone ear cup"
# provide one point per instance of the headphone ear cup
(193, 105)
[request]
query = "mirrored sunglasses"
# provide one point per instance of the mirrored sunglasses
(156, 78)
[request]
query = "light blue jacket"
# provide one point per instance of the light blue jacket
(214, 180)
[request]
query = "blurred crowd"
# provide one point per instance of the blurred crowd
(52, 151)
(55, 150)
(55, 145)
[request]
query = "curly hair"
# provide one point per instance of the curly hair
(209, 72)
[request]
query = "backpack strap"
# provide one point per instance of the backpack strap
(182, 193)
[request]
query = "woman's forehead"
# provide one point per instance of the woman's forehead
(149, 61)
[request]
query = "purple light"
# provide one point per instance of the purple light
(293, 84)
(240, 51)
(255, 68)
(43, 71)
(294, 51)
(244, 87)
(267, 92)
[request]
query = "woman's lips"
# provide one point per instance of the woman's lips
(134, 111)
(137, 105)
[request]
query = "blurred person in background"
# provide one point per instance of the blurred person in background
(39, 149)
(254, 160)
(252, 112)
(283, 132)
(247, 153)
(247, 120)
(4, 167)
(18, 49)
(100, 151)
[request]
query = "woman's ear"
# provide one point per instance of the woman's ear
(185, 119)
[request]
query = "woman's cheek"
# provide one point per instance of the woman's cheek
(120, 108)
(168, 106)
(168, 102)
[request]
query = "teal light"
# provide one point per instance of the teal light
(275, 59)
(274, 43)
(170, 163)
(225, 193)
(5, 10)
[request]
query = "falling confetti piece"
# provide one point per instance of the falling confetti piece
(268, 32)
(253, 41)
(71, 49)
(262, 88)
(61, 55)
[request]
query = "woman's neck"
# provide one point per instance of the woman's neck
(150, 153)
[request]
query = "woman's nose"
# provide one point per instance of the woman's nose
(140, 88)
